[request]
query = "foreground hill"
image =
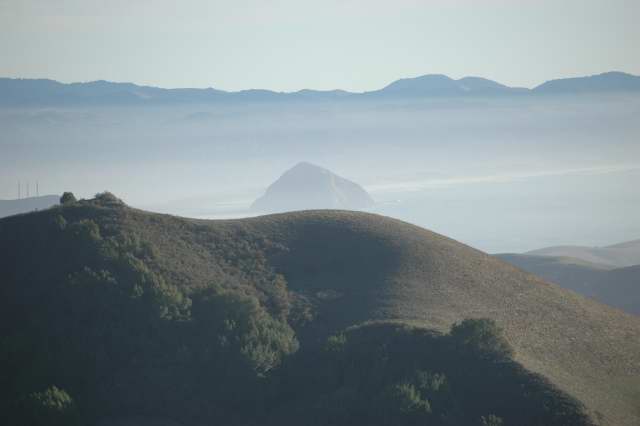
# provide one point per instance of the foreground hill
(24, 205)
(618, 287)
(151, 306)
(617, 255)
(306, 186)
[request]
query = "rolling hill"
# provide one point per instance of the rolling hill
(618, 287)
(617, 255)
(326, 269)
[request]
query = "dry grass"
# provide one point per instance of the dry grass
(387, 269)
(377, 268)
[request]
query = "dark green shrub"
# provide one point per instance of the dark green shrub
(68, 198)
(483, 337)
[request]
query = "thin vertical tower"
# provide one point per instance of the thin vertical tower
(37, 189)
(19, 191)
(27, 189)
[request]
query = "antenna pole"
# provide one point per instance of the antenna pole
(37, 190)
(27, 189)
(19, 191)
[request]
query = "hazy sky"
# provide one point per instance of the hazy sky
(294, 44)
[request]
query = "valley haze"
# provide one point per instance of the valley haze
(502, 169)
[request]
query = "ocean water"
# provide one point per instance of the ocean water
(502, 175)
(588, 208)
(496, 214)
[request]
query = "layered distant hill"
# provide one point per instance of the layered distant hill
(24, 205)
(608, 274)
(618, 287)
(618, 255)
(307, 186)
(111, 311)
(43, 92)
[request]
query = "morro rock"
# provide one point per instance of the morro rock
(307, 187)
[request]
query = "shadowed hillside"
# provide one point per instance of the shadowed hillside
(311, 273)
(407, 273)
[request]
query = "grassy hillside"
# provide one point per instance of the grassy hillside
(386, 269)
(618, 287)
(258, 289)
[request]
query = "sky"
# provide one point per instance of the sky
(288, 45)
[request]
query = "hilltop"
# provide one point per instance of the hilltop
(306, 186)
(150, 297)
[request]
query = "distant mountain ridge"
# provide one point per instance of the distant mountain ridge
(609, 81)
(441, 85)
(25, 92)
